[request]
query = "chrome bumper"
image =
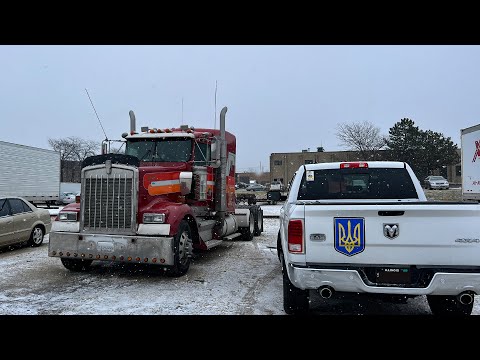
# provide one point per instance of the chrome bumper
(350, 281)
(135, 249)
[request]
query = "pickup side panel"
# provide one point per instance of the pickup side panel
(426, 234)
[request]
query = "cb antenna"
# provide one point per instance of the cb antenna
(106, 137)
(215, 112)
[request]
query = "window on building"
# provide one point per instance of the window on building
(277, 162)
(458, 170)
(308, 162)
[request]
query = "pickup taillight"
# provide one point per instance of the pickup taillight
(295, 236)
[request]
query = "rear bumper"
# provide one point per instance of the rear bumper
(350, 281)
(136, 249)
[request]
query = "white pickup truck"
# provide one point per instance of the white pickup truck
(367, 227)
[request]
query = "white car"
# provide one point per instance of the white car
(436, 182)
(69, 198)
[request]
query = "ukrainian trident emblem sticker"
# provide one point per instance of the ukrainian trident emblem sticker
(349, 235)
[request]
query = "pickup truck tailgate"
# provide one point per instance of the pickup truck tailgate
(409, 234)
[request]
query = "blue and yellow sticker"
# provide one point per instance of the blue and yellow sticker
(349, 235)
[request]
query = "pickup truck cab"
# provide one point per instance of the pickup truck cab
(367, 227)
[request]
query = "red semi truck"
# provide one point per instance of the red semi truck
(172, 191)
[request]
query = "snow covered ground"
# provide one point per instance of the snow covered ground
(235, 278)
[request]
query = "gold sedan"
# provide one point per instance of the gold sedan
(22, 222)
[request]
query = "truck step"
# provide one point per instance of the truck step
(232, 236)
(210, 244)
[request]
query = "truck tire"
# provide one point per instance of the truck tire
(76, 264)
(258, 222)
(295, 300)
(36, 237)
(443, 305)
(247, 232)
(182, 244)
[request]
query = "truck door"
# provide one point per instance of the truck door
(6, 223)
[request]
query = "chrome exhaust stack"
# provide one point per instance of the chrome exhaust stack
(466, 297)
(326, 291)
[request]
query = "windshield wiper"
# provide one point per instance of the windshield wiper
(146, 154)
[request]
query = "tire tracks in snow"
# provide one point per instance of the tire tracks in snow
(249, 300)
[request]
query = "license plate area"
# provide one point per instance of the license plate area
(106, 246)
(393, 275)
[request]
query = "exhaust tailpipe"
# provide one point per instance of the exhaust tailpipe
(132, 121)
(326, 292)
(466, 298)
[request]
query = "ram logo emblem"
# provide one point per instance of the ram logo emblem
(391, 231)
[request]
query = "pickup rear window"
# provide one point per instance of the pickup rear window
(357, 183)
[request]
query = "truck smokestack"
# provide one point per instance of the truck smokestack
(221, 199)
(132, 121)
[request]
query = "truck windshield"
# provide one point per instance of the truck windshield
(161, 150)
(357, 183)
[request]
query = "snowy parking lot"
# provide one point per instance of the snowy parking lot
(235, 278)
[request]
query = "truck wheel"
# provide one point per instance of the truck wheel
(247, 232)
(36, 237)
(182, 244)
(448, 306)
(258, 222)
(76, 264)
(295, 300)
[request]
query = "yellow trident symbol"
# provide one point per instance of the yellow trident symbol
(346, 240)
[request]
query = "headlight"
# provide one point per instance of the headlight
(67, 216)
(153, 218)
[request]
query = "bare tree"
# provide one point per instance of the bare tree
(363, 137)
(87, 148)
(74, 148)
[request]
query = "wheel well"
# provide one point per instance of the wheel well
(193, 228)
(279, 246)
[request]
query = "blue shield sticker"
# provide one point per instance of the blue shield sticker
(349, 235)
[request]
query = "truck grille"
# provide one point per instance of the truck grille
(108, 201)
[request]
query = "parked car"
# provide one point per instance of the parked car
(21, 221)
(256, 187)
(65, 198)
(240, 185)
(436, 182)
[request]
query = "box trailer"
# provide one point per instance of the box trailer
(30, 172)
(470, 153)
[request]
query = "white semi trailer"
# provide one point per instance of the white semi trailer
(30, 172)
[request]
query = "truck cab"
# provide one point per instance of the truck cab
(172, 191)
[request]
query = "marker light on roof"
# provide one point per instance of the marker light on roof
(350, 165)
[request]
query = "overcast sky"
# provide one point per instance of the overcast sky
(279, 98)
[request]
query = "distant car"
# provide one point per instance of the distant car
(21, 221)
(240, 185)
(69, 198)
(256, 187)
(436, 182)
(65, 198)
